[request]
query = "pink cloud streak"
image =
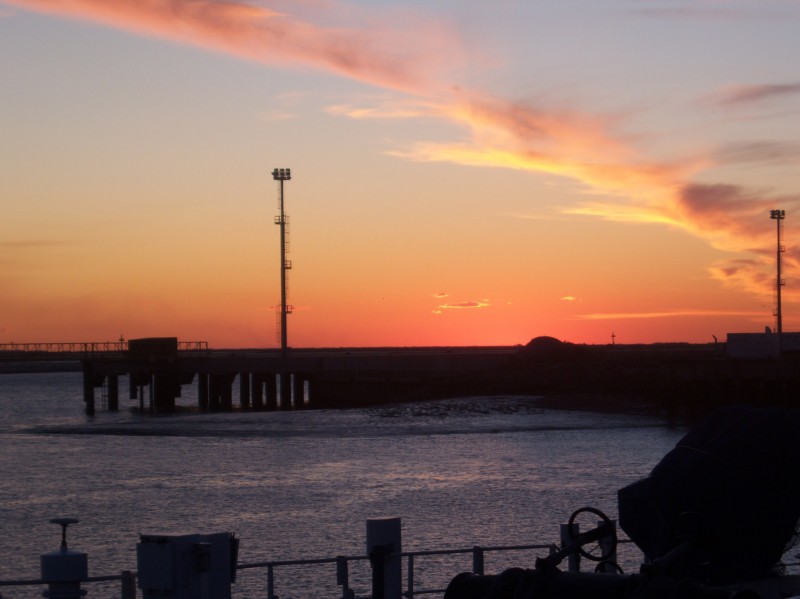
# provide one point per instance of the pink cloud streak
(376, 55)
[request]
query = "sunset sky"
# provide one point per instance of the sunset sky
(464, 172)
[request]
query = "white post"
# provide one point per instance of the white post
(383, 549)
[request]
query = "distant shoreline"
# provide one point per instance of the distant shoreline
(35, 367)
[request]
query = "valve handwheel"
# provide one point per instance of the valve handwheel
(594, 551)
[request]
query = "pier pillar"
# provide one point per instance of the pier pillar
(221, 391)
(152, 392)
(202, 390)
(88, 387)
(285, 391)
(226, 388)
(257, 391)
(113, 392)
(271, 390)
(213, 392)
(298, 391)
(311, 385)
(244, 390)
(137, 381)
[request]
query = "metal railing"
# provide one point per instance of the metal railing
(128, 579)
(127, 583)
(82, 348)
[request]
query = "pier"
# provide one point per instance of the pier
(157, 369)
(677, 378)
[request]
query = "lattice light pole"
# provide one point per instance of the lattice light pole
(778, 216)
(281, 175)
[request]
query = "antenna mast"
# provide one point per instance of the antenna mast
(281, 175)
(778, 216)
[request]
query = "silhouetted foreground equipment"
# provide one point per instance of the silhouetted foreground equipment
(546, 581)
(731, 487)
(517, 583)
(713, 519)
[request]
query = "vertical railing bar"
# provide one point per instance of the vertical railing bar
(410, 578)
(128, 582)
(477, 560)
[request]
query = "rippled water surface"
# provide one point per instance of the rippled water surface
(488, 471)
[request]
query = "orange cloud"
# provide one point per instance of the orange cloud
(620, 184)
(388, 109)
(564, 144)
(378, 54)
(461, 306)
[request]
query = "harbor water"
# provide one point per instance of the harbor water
(469, 471)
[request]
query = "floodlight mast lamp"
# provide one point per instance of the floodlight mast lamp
(281, 175)
(778, 216)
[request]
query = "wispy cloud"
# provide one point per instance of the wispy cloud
(572, 144)
(386, 109)
(375, 52)
(669, 314)
(751, 94)
(730, 216)
(691, 12)
(466, 305)
(460, 305)
(764, 152)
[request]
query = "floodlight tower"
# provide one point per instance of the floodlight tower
(281, 175)
(778, 216)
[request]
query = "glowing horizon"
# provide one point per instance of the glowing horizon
(548, 190)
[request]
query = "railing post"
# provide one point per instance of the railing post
(343, 577)
(128, 589)
(384, 549)
(574, 559)
(477, 560)
(410, 578)
(270, 583)
(608, 548)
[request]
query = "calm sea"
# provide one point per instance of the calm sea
(290, 485)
